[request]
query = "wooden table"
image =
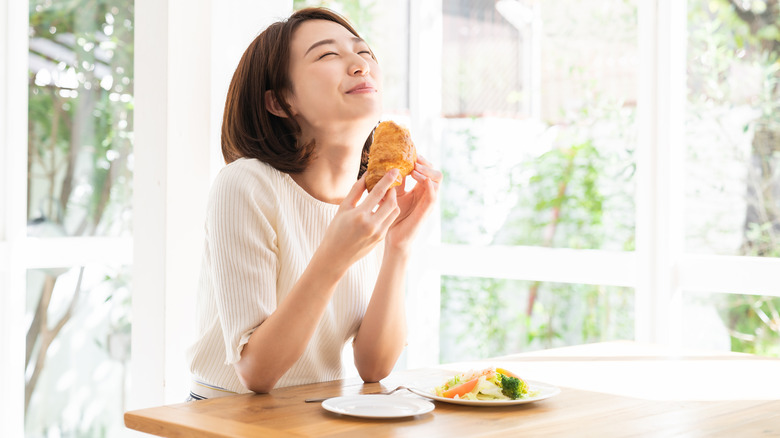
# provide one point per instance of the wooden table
(609, 389)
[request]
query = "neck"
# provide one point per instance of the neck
(334, 169)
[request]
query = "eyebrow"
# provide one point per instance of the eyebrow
(330, 41)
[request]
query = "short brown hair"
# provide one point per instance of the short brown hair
(248, 129)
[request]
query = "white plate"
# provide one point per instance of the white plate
(542, 391)
(377, 406)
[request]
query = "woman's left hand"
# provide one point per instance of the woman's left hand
(415, 204)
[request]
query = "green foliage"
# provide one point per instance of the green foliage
(480, 314)
(753, 322)
(464, 162)
(486, 316)
(728, 39)
(80, 125)
(80, 115)
(567, 206)
(578, 193)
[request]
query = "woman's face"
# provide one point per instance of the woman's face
(335, 79)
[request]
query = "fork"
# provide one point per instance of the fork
(314, 400)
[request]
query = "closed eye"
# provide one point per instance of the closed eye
(326, 54)
(367, 52)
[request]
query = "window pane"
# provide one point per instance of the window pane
(539, 101)
(733, 129)
(80, 118)
(744, 323)
(482, 317)
(78, 351)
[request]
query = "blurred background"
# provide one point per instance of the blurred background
(609, 174)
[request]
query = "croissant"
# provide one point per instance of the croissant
(392, 148)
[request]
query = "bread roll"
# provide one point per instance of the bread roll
(392, 148)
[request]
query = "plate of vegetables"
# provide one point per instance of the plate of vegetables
(488, 387)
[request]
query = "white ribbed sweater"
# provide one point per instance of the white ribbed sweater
(261, 231)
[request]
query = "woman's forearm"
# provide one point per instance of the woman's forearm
(278, 342)
(382, 334)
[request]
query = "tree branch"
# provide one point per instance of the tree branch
(549, 234)
(39, 320)
(48, 335)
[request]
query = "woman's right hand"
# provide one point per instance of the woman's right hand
(357, 228)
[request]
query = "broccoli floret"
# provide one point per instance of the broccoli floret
(513, 387)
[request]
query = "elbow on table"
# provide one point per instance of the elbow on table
(374, 375)
(374, 367)
(259, 386)
(255, 382)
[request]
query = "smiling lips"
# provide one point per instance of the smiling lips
(363, 88)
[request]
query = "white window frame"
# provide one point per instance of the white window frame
(13, 164)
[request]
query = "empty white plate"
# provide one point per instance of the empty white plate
(377, 406)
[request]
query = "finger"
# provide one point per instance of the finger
(425, 202)
(378, 192)
(431, 191)
(402, 188)
(420, 178)
(387, 205)
(391, 217)
(428, 171)
(389, 210)
(355, 193)
(421, 159)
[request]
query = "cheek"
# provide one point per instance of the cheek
(316, 82)
(306, 90)
(376, 72)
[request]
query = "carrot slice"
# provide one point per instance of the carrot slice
(462, 389)
(507, 373)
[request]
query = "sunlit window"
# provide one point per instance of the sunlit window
(538, 106)
(80, 118)
(80, 161)
(732, 197)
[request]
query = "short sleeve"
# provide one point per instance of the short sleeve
(243, 252)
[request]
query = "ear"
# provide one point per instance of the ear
(272, 105)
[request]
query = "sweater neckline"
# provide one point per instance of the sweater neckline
(306, 196)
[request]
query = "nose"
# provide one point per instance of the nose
(359, 66)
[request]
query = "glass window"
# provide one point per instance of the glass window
(80, 118)
(736, 322)
(79, 184)
(538, 101)
(485, 317)
(78, 351)
(733, 129)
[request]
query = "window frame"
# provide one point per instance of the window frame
(13, 123)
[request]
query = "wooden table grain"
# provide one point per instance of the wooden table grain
(612, 389)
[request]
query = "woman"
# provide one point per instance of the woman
(295, 264)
